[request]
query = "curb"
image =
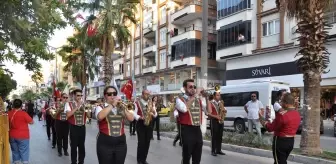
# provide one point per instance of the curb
(261, 152)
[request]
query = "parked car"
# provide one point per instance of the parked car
(321, 124)
(164, 112)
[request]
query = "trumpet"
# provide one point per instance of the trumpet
(125, 106)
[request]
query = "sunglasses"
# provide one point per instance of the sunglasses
(111, 93)
(192, 87)
(65, 97)
(79, 95)
(253, 96)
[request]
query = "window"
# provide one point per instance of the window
(163, 36)
(234, 34)
(121, 68)
(237, 99)
(137, 47)
(97, 90)
(271, 27)
(162, 57)
(136, 65)
(228, 7)
(191, 47)
(163, 15)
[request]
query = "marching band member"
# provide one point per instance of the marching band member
(51, 122)
(111, 141)
(62, 126)
(77, 118)
(190, 117)
(144, 110)
(216, 124)
(174, 118)
(284, 126)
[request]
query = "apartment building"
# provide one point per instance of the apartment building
(166, 47)
(257, 42)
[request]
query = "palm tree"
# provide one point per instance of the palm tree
(80, 56)
(111, 28)
(313, 60)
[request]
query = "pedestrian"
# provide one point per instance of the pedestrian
(111, 140)
(62, 126)
(277, 104)
(214, 112)
(30, 109)
(19, 133)
(144, 131)
(285, 126)
(252, 109)
(50, 122)
(133, 123)
(77, 118)
(158, 105)
(190, 111)
(174, 118)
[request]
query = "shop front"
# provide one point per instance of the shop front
(280, 66)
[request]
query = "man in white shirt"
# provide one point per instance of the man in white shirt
(190, 112)
(144, 132)
(252, 109)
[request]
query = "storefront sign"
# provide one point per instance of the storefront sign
(280, 69)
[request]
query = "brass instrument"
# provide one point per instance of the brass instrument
(125, 106)
(149, 117)
(222, 112)
(53, 112)
(88, 107)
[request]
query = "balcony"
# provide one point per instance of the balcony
(149, 68)
(191, 11)
(149, 50)
(149, 32)
(193, 32)
(117, 74)
(186, 61)
(238, 49)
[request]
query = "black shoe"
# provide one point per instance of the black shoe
(180, 144)
(213, 154)
(146, 162)
(174, 143)
(66, 153)
(60, 154)
(53, 146)
(220, 153)
(133, 134)
(48, 139)
(158, 138)
(152, 138)
(140, 163)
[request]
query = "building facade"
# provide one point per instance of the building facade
(257, 42)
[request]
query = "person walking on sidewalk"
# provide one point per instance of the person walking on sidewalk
(133, 123)
(19, 133)
(190, 110)
(111, 140)
(158, 103)
(62, 126)
(285, 126)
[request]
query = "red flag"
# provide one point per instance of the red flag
(91, 31)
(127, 89)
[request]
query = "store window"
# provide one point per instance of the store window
(271, 28)
(234, 34)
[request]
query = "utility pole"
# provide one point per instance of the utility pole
(204, 45)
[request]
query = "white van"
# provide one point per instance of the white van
(236, 96)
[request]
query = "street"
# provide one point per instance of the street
(160, 151)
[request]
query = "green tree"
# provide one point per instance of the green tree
(29, 95)
(313, 60)
(26, 26)
(7, 84)
(111, 28)
(61, 85)
(15, 96)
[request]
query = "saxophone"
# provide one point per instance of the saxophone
(148, 117)
(222, 112)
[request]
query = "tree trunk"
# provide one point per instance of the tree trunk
(310, 135)
(107, 62)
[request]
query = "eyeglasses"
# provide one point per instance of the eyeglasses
(192, 87)
(111, 93)
(79, 95)
(65, 97)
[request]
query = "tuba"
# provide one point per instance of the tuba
(148, 117)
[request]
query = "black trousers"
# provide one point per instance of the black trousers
(216, 135)
(156, 123)
(51, 126)
(192, 143)
(282, 147)
(77, 140)
(178, 135)
(145, 134)
(132, 127)
(111, 150)
(62, 131)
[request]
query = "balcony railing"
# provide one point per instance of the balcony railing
(193, 28)
(149, 65)
(192, 2)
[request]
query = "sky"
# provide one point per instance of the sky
(22, 76)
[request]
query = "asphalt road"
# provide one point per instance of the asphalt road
(160, 151)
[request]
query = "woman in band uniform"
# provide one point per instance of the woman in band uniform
(111, 141)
